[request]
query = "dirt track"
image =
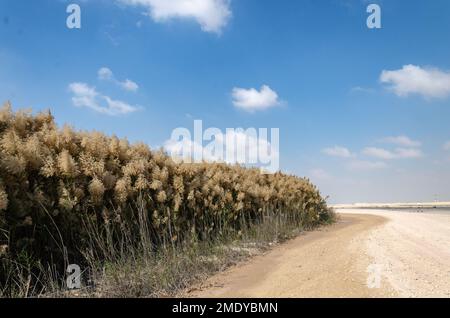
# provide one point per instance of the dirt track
(331, 262)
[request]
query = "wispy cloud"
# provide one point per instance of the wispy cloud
(408, 153)
(399, 153)
(105, 74)
(252, 100)
(403, 141)
(363, 165)
(86, 96)
(338, 151)
(129, 85)
(411, 79)
(378, 153)
(212, 15)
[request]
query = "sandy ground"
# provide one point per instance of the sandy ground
(323, 263)
(366, 254)
(413, 252)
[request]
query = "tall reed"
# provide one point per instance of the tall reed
(64, 191)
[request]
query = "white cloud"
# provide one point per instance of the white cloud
(212, 15)
(366, 165)
(378, 153)
(247, 149)
(105, 74)
(338, 151)
(399, 153)
(253, 145)
(411, 79)
(447, 146)
(402, 141)
(253, 100)
(408, 153)
(129, 85)
(86, 96)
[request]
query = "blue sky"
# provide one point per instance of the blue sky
(363, 112)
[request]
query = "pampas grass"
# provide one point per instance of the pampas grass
(55, 181)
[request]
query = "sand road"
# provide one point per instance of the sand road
(366, 254)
